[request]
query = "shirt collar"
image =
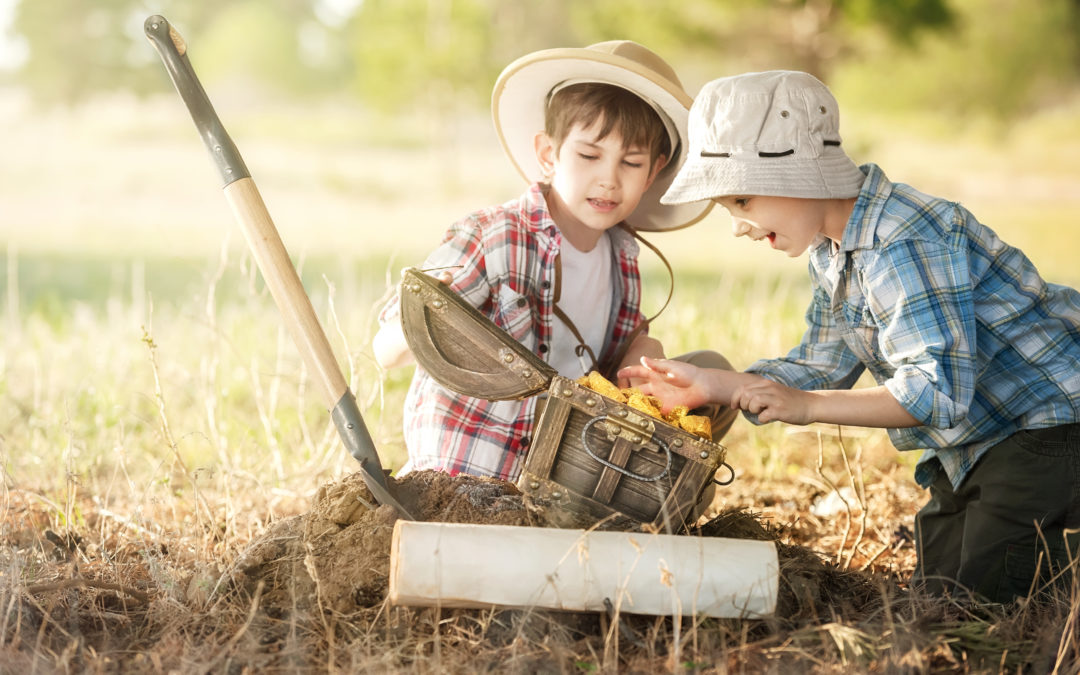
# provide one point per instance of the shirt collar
(869, 205)
(539, 217)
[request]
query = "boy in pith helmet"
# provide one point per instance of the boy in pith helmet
(976, 358)
(598, 132)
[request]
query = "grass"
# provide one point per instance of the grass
(155, 418)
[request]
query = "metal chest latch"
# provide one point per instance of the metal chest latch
(633, 428)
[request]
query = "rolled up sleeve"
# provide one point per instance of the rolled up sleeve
(920, 295)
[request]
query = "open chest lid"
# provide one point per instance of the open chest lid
(462, 349)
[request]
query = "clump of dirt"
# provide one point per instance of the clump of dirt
(810, 587)
(336, 556)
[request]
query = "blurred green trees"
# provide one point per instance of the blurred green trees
(416, 51)
(1000, 56)
(76, 48)
(79, 47)
(1005, 58)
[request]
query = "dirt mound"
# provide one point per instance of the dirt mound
(337, 555)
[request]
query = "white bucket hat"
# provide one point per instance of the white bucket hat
(521, 93)
(775, 133)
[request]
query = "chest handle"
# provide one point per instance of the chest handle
(623, 470)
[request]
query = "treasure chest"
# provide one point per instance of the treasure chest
(594, 456)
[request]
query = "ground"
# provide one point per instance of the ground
(310, 593)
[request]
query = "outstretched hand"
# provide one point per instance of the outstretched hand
(673, 382)
(773, 402)
(678, 383)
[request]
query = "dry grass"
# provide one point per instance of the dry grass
(148, 595)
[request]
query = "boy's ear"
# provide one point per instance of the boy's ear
(545, 153)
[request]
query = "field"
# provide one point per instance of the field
(158, 431)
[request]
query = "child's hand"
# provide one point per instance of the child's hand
(773, 402)
(643, 345)
(673, 382)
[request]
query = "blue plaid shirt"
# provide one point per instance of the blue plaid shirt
(957, 324)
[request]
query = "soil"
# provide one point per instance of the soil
(336, 556)
(310, 594)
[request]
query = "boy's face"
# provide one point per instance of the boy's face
(595, 182)
(789, 224)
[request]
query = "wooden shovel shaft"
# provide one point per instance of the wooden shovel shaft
(300, 320)
(285, 287)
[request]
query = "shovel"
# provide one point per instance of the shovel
(274, 263)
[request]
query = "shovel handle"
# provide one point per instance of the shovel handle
(273, 260)
(173, 51)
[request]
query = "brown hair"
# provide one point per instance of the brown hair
(621, 110)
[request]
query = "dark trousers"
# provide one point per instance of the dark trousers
(1006, 531)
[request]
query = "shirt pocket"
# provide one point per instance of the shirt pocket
(861, 328)
(515, 315)
(856, 314)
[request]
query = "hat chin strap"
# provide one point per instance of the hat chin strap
(669, 126)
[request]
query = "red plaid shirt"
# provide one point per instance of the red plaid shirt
(506, 256)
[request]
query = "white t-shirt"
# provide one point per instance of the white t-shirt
(586, 299)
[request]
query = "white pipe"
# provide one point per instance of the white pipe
(457, 565)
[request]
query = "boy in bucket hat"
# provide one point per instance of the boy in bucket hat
(975, 357)
(599, 133)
